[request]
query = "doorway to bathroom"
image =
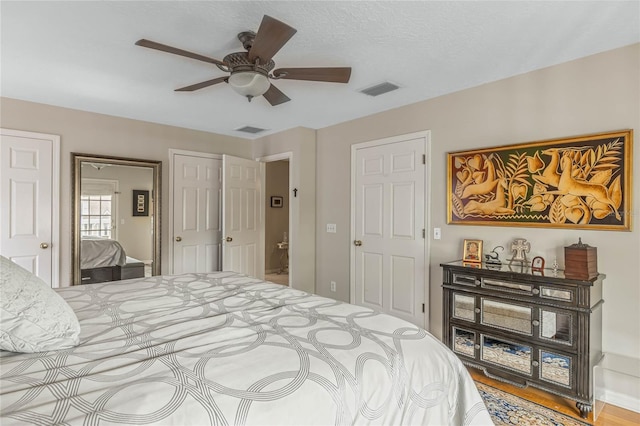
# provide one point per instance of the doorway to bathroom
(277, 218)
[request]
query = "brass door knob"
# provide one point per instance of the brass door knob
(178, 239)
(357, 243)
(229, 239)
(44, 246)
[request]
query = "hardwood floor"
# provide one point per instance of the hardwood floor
(609, 416)
(277, 278)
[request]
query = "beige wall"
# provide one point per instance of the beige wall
(301, 143)
(276, 218)
(91, 133)
(593, 94)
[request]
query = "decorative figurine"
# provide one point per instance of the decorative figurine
(520, 247)
(492, 259)
(537, 265)
(554, 266)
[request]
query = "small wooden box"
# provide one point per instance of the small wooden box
(580, 261)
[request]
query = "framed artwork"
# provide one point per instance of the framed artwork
(581, 182)
(276, 202)
(472, 251)
(140, 202)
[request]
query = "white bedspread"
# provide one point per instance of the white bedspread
(192, 350)
(101, 252)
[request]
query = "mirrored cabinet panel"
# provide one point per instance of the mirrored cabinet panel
(557, 294)
(506, 354)
(507, 286)
(555, 326)
(464, 279)
(464, 342)
(555, 368)
(464, 307)
(507, 316)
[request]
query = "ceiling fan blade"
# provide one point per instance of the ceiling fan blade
(270, 38)
(333, 75)
(275, 96)
(163, 47)
(202, 85)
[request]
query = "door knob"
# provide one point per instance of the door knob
(229, 239)
(178, 239)
(44, 246)
(357, 243)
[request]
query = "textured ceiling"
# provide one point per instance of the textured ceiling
(82, 55)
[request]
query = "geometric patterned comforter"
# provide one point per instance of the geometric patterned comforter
(227, 349)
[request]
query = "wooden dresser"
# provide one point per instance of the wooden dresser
(539, 329)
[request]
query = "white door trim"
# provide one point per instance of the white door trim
(426, 134)
(55, 197)
(293, 209)
(172, 153)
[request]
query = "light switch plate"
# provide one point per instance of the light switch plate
(437, 233)
(331, 227)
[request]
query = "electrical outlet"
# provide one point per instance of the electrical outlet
(333, 286)
(331, 227)
(437, 233)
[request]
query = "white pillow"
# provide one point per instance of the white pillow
(33, 317)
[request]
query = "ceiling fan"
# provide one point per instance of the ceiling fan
(251, 71)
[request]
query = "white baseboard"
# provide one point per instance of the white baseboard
(621, 400)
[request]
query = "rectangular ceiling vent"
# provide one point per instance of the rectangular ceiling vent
(250, 129)
(380, 89)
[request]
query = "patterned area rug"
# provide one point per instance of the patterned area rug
(507, 409)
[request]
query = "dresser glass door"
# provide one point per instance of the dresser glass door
(555, 326)
(464, 307)
(507, 354)
(506, 316)
(555, 368)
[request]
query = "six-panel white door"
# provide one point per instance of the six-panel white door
(28, 190)
(243, 216)
(389, 223)
(197, 228)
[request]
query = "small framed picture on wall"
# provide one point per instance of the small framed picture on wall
(140, 202)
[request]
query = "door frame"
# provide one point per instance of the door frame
(172, 153)
(293, 208)
(426, 134)
(55, 196)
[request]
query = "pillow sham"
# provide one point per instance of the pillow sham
(33, 317)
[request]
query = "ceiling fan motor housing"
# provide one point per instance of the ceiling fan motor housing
(239, 61)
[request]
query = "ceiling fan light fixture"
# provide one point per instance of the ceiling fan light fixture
(249, 83)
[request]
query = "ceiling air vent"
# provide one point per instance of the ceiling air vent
(250, 129)
(380, 89)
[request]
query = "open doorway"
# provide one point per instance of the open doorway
(277, 217)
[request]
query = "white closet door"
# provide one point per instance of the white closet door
(389, 245)
(197, 224)
(29, 201)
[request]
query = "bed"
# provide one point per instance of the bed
(224, 348)
(103, 259)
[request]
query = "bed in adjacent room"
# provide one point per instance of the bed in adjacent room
(223, 348)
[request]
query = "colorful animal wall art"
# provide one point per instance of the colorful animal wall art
(580, 182)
